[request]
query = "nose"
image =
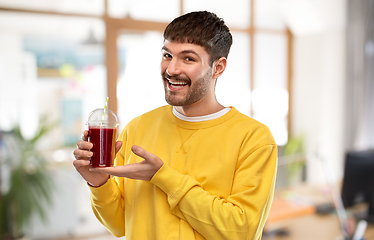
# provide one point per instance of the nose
(173, 68)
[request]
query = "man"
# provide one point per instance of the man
(193, 169)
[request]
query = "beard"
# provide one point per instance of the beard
(197, 90)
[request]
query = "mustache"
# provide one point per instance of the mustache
(176, 78)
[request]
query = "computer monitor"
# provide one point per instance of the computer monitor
(358, 181)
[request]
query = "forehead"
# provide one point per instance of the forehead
(180, 48)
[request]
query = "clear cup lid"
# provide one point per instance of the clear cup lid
(98, 118)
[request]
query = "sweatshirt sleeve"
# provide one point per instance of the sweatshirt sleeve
(107, 201)
(242, 215)
(107, 205)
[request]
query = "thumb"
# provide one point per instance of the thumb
(139, 151)
(118, 146)
(148, 157)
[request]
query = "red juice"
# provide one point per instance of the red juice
(103, 140)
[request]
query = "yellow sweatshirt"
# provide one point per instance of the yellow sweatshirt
(217, 181)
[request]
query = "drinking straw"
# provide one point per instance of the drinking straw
(105, 108)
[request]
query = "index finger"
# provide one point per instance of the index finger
(115, 171)
(119, 171)
(84, 145)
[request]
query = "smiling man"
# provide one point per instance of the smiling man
(193, 169)
(189, 78)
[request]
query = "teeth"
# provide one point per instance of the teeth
(176, 82)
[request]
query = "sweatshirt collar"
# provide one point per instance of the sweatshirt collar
(201, 118)
(200, 124)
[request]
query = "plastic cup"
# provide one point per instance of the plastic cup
(102, 133)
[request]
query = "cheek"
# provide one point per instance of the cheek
(163, 66)
(197, 74)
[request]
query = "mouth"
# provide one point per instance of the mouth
(175, 84)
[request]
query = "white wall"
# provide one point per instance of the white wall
(319, 86)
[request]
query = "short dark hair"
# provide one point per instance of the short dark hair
(202, 28)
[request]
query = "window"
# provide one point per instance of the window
(52, 70)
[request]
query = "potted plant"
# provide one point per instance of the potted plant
(294, 150)
(28, 186)
(292, 160)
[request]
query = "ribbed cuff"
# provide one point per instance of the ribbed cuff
(167, 179)
(104, 193)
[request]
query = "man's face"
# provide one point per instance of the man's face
(186, 73)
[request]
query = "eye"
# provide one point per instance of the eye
(166, 55)
(188, 59)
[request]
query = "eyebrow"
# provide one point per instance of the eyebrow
(187, 51)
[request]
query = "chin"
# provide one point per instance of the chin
(174, 101)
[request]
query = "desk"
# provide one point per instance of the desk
(308, 225)
(314, 227)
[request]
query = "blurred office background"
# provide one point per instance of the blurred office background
(302, 67)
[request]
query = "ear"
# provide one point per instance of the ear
(219, 67)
